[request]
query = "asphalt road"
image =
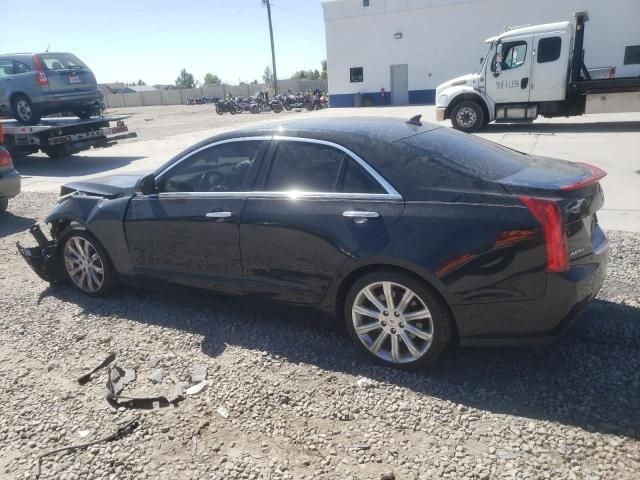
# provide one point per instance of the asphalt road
(611, 142)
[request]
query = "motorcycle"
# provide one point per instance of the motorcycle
(223, 106)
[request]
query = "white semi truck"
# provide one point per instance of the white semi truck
(531, 71)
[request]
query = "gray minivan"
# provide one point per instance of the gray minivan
(36, 84)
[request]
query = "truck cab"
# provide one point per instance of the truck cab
(530, 71)
(523, 65)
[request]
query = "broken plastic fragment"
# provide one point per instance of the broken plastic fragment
(198, 374)
(197, 388)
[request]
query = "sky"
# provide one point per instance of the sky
(153, 40)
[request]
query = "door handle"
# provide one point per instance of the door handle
(219, 215)
(360, 216)
(8, 79)
(524, 82)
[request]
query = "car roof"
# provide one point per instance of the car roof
(386, 129)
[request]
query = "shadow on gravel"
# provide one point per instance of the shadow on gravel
(11, 223)
(590, 378)
(550, 128)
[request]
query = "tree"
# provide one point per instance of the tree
(211, 79)
(267, 76)
(185, 80)
(323, 73)
(141, 83)
(308, 74)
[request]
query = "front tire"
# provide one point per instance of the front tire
(23, 110)
(397, 320)
(219, 110)
(86, 264)
(467, 116)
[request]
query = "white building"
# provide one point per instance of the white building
(408, 47)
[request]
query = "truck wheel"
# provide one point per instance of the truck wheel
(4, 204)
(467, 116)
(56, 152)
(23, 110)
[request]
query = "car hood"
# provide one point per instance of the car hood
(111, 186)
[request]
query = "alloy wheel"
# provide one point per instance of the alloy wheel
(83, 264)
(392, 322)
(24, 110)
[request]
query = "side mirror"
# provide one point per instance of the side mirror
(148, 185)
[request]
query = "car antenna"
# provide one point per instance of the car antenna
(415, 120)
(48, 46)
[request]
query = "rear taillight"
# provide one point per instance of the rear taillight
(548, 215)
(5, 158)
(1, 134)
(41, 77)
(595, 174)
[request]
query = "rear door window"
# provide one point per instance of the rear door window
(21, 67)
(304, 167)
(356, 180)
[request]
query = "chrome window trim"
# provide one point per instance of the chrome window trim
(290, 195)
(392, 193)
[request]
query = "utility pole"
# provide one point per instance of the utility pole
(273, 50)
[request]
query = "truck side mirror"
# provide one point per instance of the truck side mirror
(148, 185)
(498, 65)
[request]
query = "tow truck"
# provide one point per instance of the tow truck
(62, 136)
(531, 71)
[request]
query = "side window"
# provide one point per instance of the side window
(222, 168)
(514, 54)
(549, 49)
(356, 180)
(356, 74)
(305, 167)
(6, 67)
(632, 55)
(21, 67)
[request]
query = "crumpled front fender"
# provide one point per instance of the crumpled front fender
(78, 208)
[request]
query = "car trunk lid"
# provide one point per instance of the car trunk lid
(575, 191)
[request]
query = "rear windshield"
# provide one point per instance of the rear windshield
(60, 61)
(474, 155)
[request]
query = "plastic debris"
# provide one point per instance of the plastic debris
(197, 388)
(199, 374)
(157, 375)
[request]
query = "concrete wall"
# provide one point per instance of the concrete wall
(179, 97)
(442, 39)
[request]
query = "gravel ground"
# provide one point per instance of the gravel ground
(302, 403)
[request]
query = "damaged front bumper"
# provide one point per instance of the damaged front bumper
(45, 259)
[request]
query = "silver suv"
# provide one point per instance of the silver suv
(32, 85)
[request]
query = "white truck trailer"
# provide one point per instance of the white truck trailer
(531, 71)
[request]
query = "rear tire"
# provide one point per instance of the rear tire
(467, 116)
(86, 264)
(4, 204)
(409, 331)
(23, 110)
(56, 152)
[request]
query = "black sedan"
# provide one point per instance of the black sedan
(9, 179)
(413, 234)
